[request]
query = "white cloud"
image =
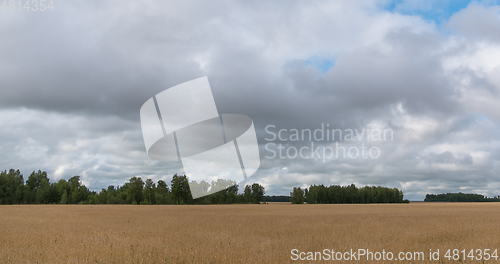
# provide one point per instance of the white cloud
(73, 81)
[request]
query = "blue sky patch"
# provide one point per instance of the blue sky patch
(320, 63)
(436, 11)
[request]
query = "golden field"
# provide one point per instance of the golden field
(236, 233)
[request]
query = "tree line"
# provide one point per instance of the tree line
(336, 194)
(38, 189)
(460, 197)
(277, 199)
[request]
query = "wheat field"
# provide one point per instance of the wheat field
(263, 233)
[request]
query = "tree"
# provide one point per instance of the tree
(180, 189)
(134, 188)
(64, 198)
(62, 188)
(53, 196)
(149, 192)
(78, 193)
(162, 193)
(297, 196)
(257, 193)
(459, 197)
(247, 194)
(11, 187)
(351, 194)
(38, 187)
(231, 194)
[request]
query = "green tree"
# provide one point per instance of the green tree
(247, 194)
(297, 196)
(134, 188)
(11, 187)
(257, 193)
(38, 189)
(162, 193)
(78, 193)
(180, 189)
(38, 186)
(351, 194)
(149, 192)
(64, 197)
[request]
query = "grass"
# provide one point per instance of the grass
(235, 233)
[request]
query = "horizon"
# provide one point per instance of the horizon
(239, 187)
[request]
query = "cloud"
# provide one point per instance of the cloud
(103, 150)
(477, 22)
(73, 80)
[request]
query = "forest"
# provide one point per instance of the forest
(336, 194)
(39, 190)
(459, 197)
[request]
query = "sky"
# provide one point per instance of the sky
(73, 78)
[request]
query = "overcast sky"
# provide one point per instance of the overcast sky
(73, 78)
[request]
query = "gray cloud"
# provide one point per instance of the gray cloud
(73, 80)
(478, 22)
